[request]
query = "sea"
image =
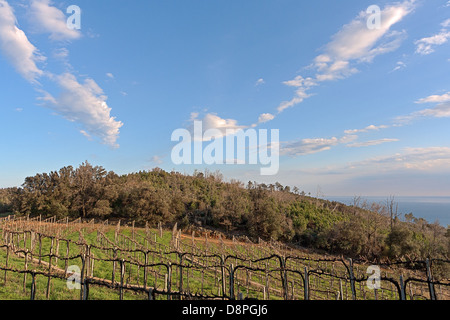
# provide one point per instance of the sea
(431, 209)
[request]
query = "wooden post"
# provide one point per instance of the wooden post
(49, 270)
(306, 284)
(352, 279)
(114, 267)
(231, 282)
(430, 280)
(122, 275)
(85, 289)
(340, 290)
(82, 281)
(33, 286)
(402, 289)
(67, 258)
(145, 269)
(6, 263)
(26, 268)
(222, 271)
(169, 280)
(150, 294)
(40, 247)
(181, 275)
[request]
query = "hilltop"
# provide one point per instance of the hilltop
(204, 199)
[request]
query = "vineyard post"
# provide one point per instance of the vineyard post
(181, 274)
(352, 279)
(40, 247)
(114, 266)
(83, 263)
(49, 269)
(67, 258)
(430, 280)
(169, 280)
(145, 269)
(33, 285)
(122, 275)
(402, 289)
(283, 275)
(26, 268)
(150, 294)
(222, 271)
(306, 284)
(231, 282)
(6, 263)
(85, 289)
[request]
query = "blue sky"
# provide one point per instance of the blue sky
(359, 111)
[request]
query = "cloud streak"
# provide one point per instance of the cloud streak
(16, 47)
(354, 43)
(427, 45)
(49, 19)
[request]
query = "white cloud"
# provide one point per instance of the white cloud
(354, 43)
(370, 143)
(426, 45)
(366, 129)
(50, 19)
(399, 65)
(110, 75)
(61, 53)
(85, 104)
(265, 117)
(435, 98)
(16, 47)
(259, 82)
(446, 23)
(442, 110)
(308, 146)
(424, 159)
(213, 121)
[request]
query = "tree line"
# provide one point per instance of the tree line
(274, 211)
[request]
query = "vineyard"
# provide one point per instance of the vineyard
(67, 260)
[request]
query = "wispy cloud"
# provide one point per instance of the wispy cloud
(441, 109)
(399, 65)
(49, 19)
(355, 43)
(366, 129)
(424, 159)
(370, 143)
(259, 82)
(427, 45)
(16, 47)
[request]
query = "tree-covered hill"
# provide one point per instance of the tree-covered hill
(204, 198)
